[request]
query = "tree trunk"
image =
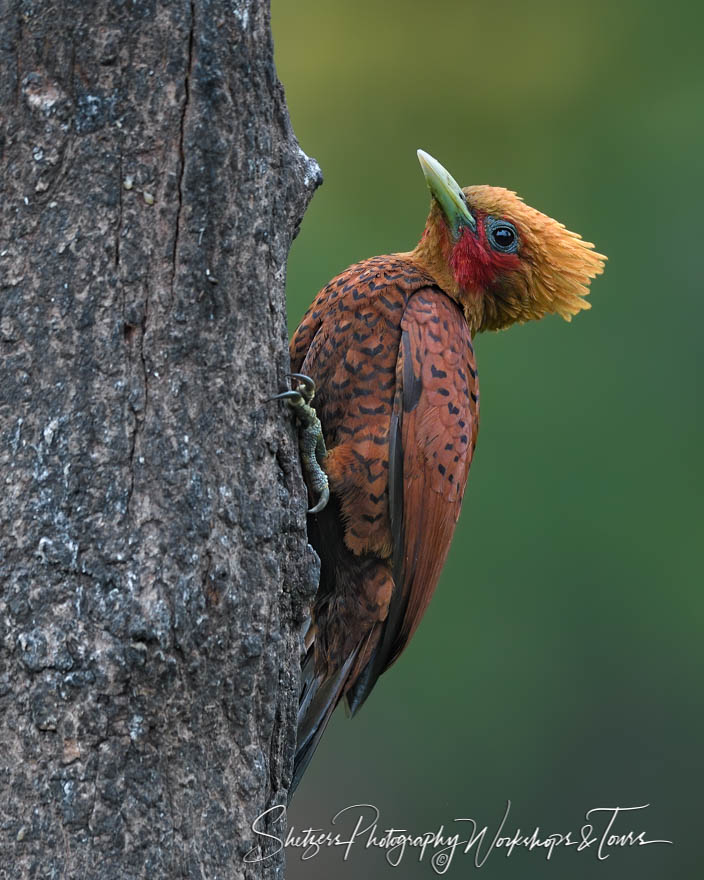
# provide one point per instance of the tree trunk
(153, 559)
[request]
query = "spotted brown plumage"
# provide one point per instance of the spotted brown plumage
(388, 344)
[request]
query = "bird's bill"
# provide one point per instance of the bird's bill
(447, 193)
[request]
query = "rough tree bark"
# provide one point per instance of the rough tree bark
(153, 557)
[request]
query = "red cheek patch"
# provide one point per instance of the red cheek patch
(475, 265)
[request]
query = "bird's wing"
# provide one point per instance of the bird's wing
(433, 434)
(304, 335)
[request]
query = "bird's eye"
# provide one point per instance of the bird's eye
(502, 236)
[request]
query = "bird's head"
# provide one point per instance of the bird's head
(502, 260)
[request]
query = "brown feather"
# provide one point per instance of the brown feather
(438, 437)
(350, 343)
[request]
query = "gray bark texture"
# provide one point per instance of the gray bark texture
(154, 567)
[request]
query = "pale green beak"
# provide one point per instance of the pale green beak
(447, 193)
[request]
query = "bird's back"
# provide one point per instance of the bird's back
(350, 343)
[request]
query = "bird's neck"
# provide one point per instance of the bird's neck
(433, 254)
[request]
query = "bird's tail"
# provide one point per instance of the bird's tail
(319, 697)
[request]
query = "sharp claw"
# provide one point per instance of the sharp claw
(308, 389)
(306, 380)
(322, 503)
(286, 395)
(304, 393)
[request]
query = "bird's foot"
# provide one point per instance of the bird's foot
(310, 437)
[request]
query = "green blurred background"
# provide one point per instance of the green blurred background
(560, 663)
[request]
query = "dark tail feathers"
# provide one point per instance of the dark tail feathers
(319, 697)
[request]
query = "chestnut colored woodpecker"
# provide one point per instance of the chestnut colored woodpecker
(386, 348)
